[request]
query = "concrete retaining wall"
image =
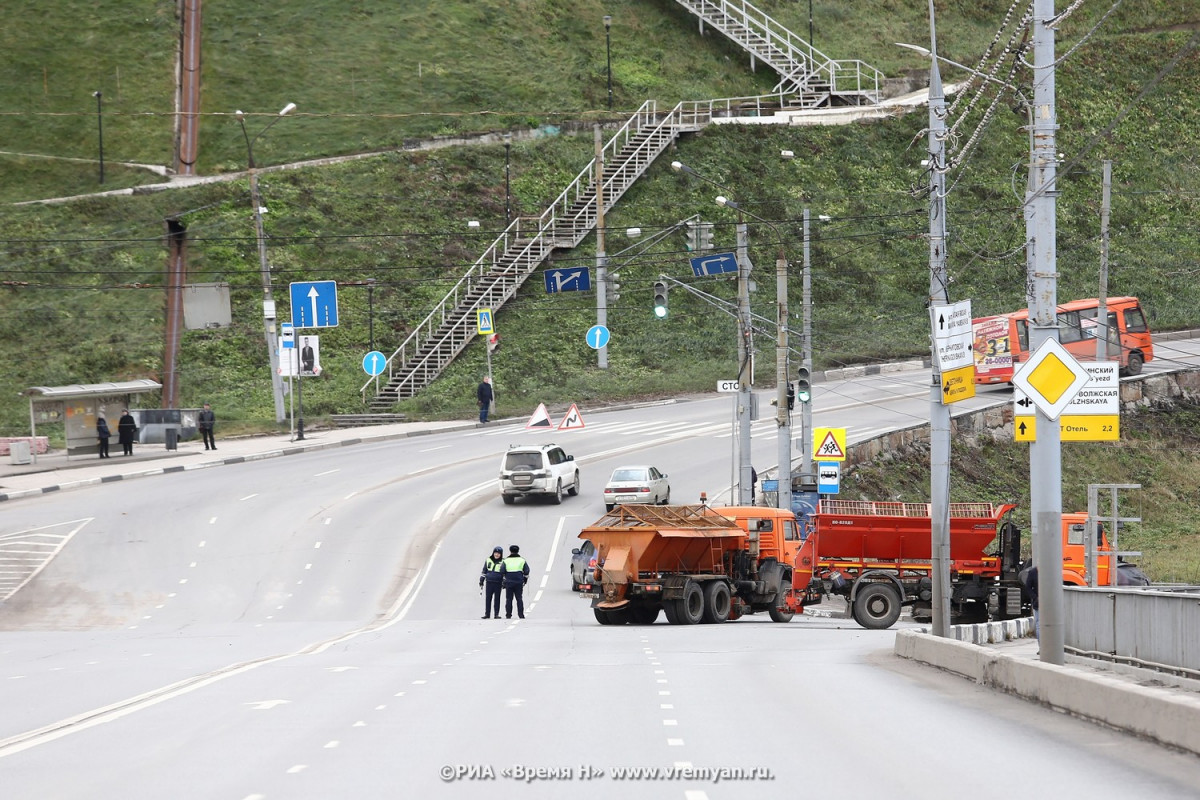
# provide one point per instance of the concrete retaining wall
(1171, 719)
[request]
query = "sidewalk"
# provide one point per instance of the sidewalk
(55, 472)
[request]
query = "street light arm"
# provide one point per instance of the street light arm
(241, 118)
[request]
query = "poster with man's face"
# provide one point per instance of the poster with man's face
(303, 359)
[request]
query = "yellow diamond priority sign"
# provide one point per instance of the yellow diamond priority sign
(1051, 378)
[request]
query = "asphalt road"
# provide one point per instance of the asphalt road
(309, 627)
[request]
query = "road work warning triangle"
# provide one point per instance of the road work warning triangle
(540, 418)
(572, 420)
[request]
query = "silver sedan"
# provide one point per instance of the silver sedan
(636, 484)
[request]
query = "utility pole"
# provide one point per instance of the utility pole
(806, 358)
(745, 375)
(939, 412)
(601, 256)
(1045, 453)
(784, 414)
(1102, 330)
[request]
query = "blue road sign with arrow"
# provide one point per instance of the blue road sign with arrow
(598, 336)
(314, 304)
(715, 264)
(573, 279)
(374, 363)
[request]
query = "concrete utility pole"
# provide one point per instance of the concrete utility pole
(1045, 454)
(745, 374)
(601, 256)
(939, 412)
(783, 416)
(806, 461)
(1102, 330)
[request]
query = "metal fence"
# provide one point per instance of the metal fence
(1152, 628)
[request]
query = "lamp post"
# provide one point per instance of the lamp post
(264, 268)
(608, 55)
(507, 191)
(744, 397)
(100, 127)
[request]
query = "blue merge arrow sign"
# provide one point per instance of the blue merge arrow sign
(374, 363)
(314, 304)
(573, 279)
(715, 264)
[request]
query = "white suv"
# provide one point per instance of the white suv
(537, 469)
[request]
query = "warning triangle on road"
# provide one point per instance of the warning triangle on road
(830, 448)
(540, 418)
(572, 421)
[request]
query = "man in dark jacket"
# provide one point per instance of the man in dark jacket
(1031, 589)
(484, 395)
(492, 578)
(103, 433)
(515, 571)
(207, 420)
(126, 430)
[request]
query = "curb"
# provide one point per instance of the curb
(1172, 720)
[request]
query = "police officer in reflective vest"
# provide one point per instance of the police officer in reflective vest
(492, 577)
(515, 572)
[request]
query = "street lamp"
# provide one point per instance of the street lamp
(100, 127)
(265, 270)
(608, 55)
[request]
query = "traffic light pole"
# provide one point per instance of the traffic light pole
(784, 418)
(806, 362)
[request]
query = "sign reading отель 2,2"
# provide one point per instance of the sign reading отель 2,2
(1093, 415)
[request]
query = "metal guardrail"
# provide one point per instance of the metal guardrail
(1159, 629)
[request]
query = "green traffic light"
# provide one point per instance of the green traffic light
(660, 311)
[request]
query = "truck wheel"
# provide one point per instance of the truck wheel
(1135, 363)
(608, 617)
(508, 499)
(690, 609)
(717, 601)
(781, 614)
(671, 611)
(556, 498)
(643, 615)
(877, 606)
(574, 490)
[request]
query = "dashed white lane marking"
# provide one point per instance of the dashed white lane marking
(326, 472)
(665, 693)
(308, 566)
(434, 449)
(297, 768)
(359, 724)
(205, 541)
(694, 795)
(666, 706)
(247, 497)
(331, 745)
(675, 742)
(418, 683)
(328, 520)
(670, 723)
(192, 565)
(317, 546)
(183, 580)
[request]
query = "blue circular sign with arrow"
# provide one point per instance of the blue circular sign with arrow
(598, 336)
(374, 363)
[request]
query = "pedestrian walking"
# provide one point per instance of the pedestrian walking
(207, 421)
(492, 579)
(753, 483)
(102, 432)
(126, 430)
(484, 395)
(515, 572)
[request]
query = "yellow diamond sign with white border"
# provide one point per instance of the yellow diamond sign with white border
(1051, 378)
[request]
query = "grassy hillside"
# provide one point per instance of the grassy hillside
(81, 295)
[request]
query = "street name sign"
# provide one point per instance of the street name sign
(952, 335)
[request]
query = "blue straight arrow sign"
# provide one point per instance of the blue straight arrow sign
(314, 304)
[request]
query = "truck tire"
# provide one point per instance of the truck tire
(609, 617)
(877, 606)
(690, 608)
(556, 498)
(643, 615)
(781, 614)
(670, 611)
(508, 499)
(717, 601)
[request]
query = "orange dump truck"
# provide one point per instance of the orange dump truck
(694, 563)
(877, 556)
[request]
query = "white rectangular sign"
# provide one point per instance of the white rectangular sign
(952, 335)
(728, 386)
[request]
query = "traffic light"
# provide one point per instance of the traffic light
(493, 342)
(693, 237)
(614, 288)
(803, 385)
(705, 239)
(791, 396)
(660, 299)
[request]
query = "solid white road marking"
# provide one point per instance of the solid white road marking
(326, 472)
(247, 497)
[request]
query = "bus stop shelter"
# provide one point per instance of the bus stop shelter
(78, 406)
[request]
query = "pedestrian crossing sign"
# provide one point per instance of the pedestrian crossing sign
(540, 419)
(829, 444)
(572, 421)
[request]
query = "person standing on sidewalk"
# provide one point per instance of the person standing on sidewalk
(484, 395)
(126, 430)
(492, 579)
(102, 432)
(515, 571)
(207, 420)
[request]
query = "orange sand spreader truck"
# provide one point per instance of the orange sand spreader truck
(697, 563)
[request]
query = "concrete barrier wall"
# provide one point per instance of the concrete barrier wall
(1171, 719)
(1156, 627)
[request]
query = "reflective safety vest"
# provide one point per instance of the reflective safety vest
(491, 570)
(515, 570)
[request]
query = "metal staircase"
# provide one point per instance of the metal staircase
(812, 78)
(525, 244)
